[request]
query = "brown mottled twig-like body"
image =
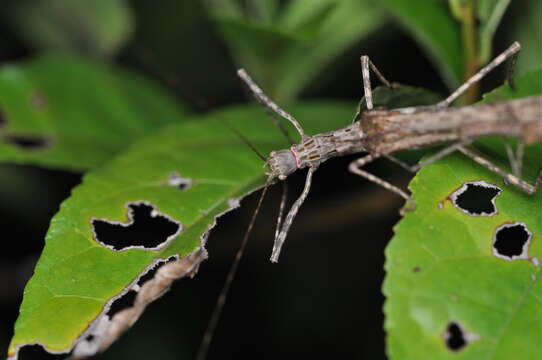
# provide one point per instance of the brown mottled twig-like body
(380, 133)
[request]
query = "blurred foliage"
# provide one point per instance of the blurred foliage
(66, 112)
(432, 24)
(285, 47)
(528, 31)
(194, 47)
(98, 28)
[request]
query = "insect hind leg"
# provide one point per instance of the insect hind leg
(510, 178)
(356, 168)
(510, 52)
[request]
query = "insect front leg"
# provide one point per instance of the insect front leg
(280, 236)
(510, 178)
(356, 168)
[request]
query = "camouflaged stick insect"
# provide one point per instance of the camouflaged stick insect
(382, 132)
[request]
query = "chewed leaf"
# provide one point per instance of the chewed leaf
(171, 187)
(64, 112)
(464, 268)
(463, 274)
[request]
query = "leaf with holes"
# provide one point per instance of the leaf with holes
(157, 200)
(64, 112)
(463, 270)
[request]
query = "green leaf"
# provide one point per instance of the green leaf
(432, 24)
(401, 96)
(490, 13)
(441, 267)
(78, 277)
(287, 49)
(64, 112)
(98, 28)
(528, 31)
(527, 84)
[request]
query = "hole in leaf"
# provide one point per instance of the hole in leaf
(125, 301)
(456, 338)
(511, 241)
(28, 142)
(150, 274)
(175, 179)
(476, 198)
(147, 228)
(416, 269)
(38, 352)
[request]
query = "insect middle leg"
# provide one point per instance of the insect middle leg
(431, 159)
(356, 168)
(366, 66)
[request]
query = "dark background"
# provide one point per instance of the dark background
(324, 297)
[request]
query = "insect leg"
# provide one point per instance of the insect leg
(355, 167)
(431, 159)
(281, 208)
(267, 102)
(515, 158)
(511, 51)
(366, 65)
(279, 239)
(510, 178)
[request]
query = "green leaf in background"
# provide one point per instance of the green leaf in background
(432, 24)
(78, 277)
(96, 28)
(286, 48)
(441, 268)
(64, 112)
(490, 13)
(528, 31)
(527, 84)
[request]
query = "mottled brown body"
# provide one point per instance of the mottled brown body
(383, 132)
(388, 131)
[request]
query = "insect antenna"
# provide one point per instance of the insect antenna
(245, 140)
(219, 306)
(279, 126)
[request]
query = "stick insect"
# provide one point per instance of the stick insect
(381, 132)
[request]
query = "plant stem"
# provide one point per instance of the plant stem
(470, 46)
